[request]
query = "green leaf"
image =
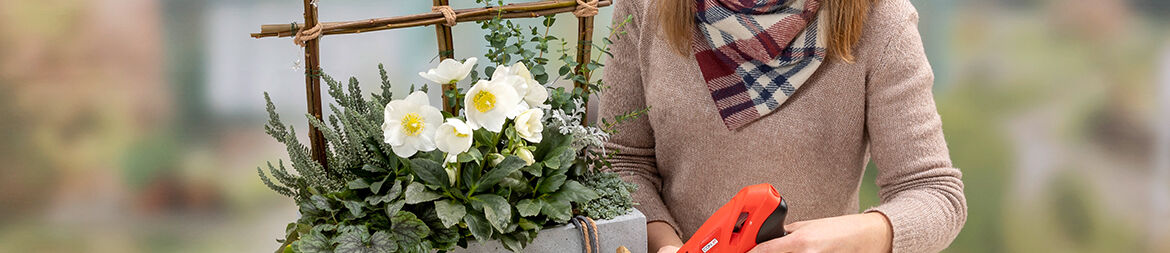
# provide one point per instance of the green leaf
(510, 164)
(372, 168)
(450, 212)
(377, 186)
(557, 210)
(407, 229)
(495, 208)
(560, 157)
(526, 224)
(355, 208)
(357, 239)
(516, 182)
(381, 242)
(395, 190)
(470, 155)
(551, 183)
(358, 184)
(528, 207)
(534, 169)
(314, 242)
(575, 192)
(511, 244)
(417, 193)
(480, 229)
(393, 207)
(429, 171)
(321, 203)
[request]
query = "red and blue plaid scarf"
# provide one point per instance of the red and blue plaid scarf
(755, 53)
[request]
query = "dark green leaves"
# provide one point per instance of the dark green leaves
(407, 229)
(509, 165)
(450, 212)
(429, 171)
(551, 183)
(560, 157)
(528, 207)
(358, 184)
(557, 210)
(357, 239)
(314, 242)
(575, 192)
(417, 193)
(495, 208)
(480, 229)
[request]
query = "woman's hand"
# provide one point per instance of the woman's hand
(868, 232)
(668, 249)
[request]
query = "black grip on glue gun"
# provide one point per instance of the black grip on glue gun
(773, 227)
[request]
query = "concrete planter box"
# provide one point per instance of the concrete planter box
(627, 230)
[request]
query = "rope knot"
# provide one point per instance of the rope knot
(586, 8)
(448, 13)
(304, 35)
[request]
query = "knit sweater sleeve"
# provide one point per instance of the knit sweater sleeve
(921, 193)
(635, 160)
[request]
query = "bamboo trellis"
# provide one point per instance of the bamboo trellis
(442, 16)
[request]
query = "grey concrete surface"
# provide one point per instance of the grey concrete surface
(627, 230)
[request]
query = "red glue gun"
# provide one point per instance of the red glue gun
(754, 215)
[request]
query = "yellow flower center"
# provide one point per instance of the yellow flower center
(412, 124)
(484, 101)
(457, 134)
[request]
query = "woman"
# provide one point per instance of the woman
(800, 94)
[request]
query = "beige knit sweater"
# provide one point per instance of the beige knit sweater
(813, 149)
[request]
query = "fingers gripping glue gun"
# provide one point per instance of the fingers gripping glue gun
(754, 215)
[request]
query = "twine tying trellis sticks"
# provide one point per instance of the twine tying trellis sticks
(586, 8)
(449, 17)
(448, 13)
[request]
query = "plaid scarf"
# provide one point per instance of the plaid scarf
(755, 53)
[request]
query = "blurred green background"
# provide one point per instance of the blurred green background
(136, 125)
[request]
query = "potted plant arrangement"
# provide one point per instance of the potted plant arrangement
(510, 156)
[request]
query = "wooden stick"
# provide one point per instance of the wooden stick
(313, 86)
(446, 51)
(518, 10)
(584, 46)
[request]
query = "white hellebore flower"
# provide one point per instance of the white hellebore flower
(530, 90)
(526, 155)
(453, 137)
(410, 124)
(449, 71)
(528, 125)
(490, 103)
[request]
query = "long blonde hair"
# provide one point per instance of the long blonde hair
(845, 17)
